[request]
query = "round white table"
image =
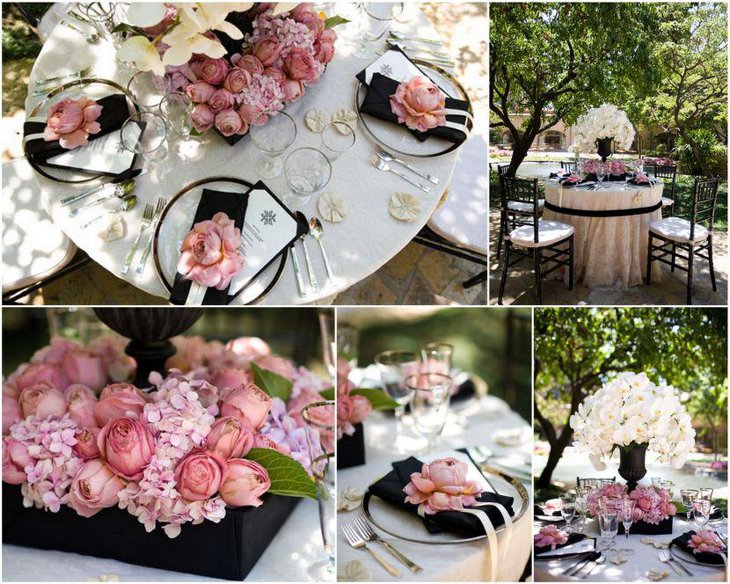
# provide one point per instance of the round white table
(609, 250)
(356, 247)
(472, 422)
(645, 558)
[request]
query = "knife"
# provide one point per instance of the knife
(97, 189)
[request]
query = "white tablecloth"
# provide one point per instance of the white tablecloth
(297, 546)
(645, 558)
(357, 247)
(474, 424)
(609, 251)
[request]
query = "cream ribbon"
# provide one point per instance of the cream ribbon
(196, 294)
(460, 127)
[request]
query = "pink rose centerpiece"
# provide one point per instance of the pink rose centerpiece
(181, 453)
(550, 536)
(706, 541)
(442, 486)
(419, 104)
(653, 506)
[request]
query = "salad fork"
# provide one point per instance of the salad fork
(147, 215)
(388, 157)
(357, 541)
(159, 208)
(381, 164)
(369, 534)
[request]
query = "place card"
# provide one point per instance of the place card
(580, 547)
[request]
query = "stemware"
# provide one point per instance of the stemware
(702, 509)
(347, 339)
(175, 108)
(608, 526)
(705, 493)
(272, 139)
(601, 174)
(626, 515)
(395, 367)
(337, 138)
(688, 498)
(327, 332)
(145, 134)
(307, 171)
(146, 92)
(436, 357)
(430, 397)
(581, 502)
(319, 418)
(375, 19)
(567, 510)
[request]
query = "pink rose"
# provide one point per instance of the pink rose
(200, 474)
(237, 79)
(550, 536)
(245, 483)
(302, 11)
(214, 71)
(110, 349)
(251, 63)
(202, 117)
(117, 400)
(442, 486)
(95, 488)
(344, 412)
(221, 100)
(85, 368)
(252, 114)
(300, 65)
(71, 121)
(33, 374)
(210, 252)
(278, 365)
(292, 89)
(419, 104)
(705, 541)
(228, 122)
(41, 400)
(229, 378)
(267, 50)
(86, 446)
(189, 355)
(261, 441)
(127, 446)
(200, 91)
(314, 23)
(249, 347)
(11, 412)
(324, 46)
(80, 401)
(15, 459)
(230, 437)
(248, 404)
(361, 408)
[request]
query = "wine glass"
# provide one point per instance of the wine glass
(375, 18)
(608, 526)
(688, 498)
(337, 138)
(626, 515)
(327, 333)
(272, 139)
(146, 92)
(307, 171)
(567, 510)
(319, 418)
(430, 397)
(581, 502)
(347, 339)
(436, 357)
(706, 493)
(600, 174)
(145, 134)
(395, 367)
(702, 509)
(175, 108)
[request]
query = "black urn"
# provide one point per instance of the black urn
(631, 464)
(604, 148)
(149, 331)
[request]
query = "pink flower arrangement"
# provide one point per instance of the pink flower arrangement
(706, 541)
(419, 104)
(551, 506)
(652, 505)
(613, 167)
(71, 121)
(550, 536)
(442, 486)
(351, 409)
(641, 178)
(172, 456)
(659, 161)
(210, 252)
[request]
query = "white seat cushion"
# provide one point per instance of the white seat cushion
(667, 202)
(524, 207)
(677, 229)
(549, 232)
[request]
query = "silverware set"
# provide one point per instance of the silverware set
(150, 218)
(446, 63)
(123, 191)
(583, 567)
(666, 558)
(382, 163)
(316, 231)
(48, 84)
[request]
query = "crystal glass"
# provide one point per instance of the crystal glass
(347, 340)
(395, 367)
(581, 502)
(608, 525)
(319, 418)
(337, 138)
(568, 510)
(705, 493)
(151, 143)
(430, 397)
(626, 516)
(327, 333)
(175, 108)
(307, 171)
(272, 139)
(375, 19)
(146, 92)
(702, 509)
(688, 498)
(436, 357)
(601, 173)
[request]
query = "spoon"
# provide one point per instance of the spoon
(314, 285)
(128, 203)
(316, 230)
(73, 198)
(120, 191)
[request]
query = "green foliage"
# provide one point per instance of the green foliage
(287, 476)
(712, 152)
(377, 398)
(273, 384)
(19, 41)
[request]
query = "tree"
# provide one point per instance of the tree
(553, 61)
(577, 349)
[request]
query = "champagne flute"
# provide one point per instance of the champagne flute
(436, 357)
(395, 367)
(601, 174)
(337, 138)
(688, 499)
(175, 109)
(145, 134)
(581, 500)
(430, 397)
(567, 510)
(327, 334)
(626, 511)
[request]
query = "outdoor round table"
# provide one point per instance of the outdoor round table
(356, 247)
(611, 229)
(645, 558)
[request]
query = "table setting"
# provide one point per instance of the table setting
(435, 482)
(151, 149)
(605, 530)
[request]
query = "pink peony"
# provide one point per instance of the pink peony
(202, 117)
(314, 23)
(550, 536)
(221, 100)
(41, 400)
(249, 404)
(249, 347)
(706, 541)
(229, 379)
(237, 79)
(127, 446)
(189, 355)
(419, 104)
(80, 401)
(200, 91)
(94, 488)
(324, 46)
(360, 410)
(86, 446)
(117, 400)
(214, 71)
(278, 365)
(250, 63)
(200, 474)
(15, 459)
(267, 50)
(230, 437)
(36, 373)
(210, 252)
(551, 506)
(11, 412)
(82, 366)
(228, 123)
(442, 486)
(71, 121)
(300, 65)
(245, 483)
(302, 12)
(293, 90)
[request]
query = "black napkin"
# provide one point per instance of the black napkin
(651, 182)
(115, 111)
(716, 514)
(682, 542)
(464, 391)
(212, 202)
(537, 510)
(572, 538)
(390, 489)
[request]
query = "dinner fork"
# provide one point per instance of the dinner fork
(357, 541)
(381, 164)
(147, 215)
(666, 558)
(369, 534)
(159, 208)
(388, 157)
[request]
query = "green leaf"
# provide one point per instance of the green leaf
(334, 21)
(123, 27)
(273, 384)
(288, 477)
(328, 394)
(377, 398)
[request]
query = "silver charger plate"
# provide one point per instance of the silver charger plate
(399, 139)
(680, 554)
(401, 524)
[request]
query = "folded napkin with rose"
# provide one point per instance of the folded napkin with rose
(706, 546)
(549, 510)
(642, 180)
(551, 538)
(439, 492)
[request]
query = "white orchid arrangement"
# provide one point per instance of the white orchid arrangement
(170, 33)
(603, 122)
(631, 410)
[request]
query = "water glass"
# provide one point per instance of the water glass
(175, 108)
(395, 367)
(145, 134)
(307, 171)
(436, 358)
(375, 19)
(347, 339)
(568, 510)
(601, 173)
(702, 509)
(430, 397)
(337, 138)
(626, 515)
(147, 92)
(688, 499)
(272, 139)
(608, 525)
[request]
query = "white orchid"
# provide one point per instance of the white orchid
(606, 121)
